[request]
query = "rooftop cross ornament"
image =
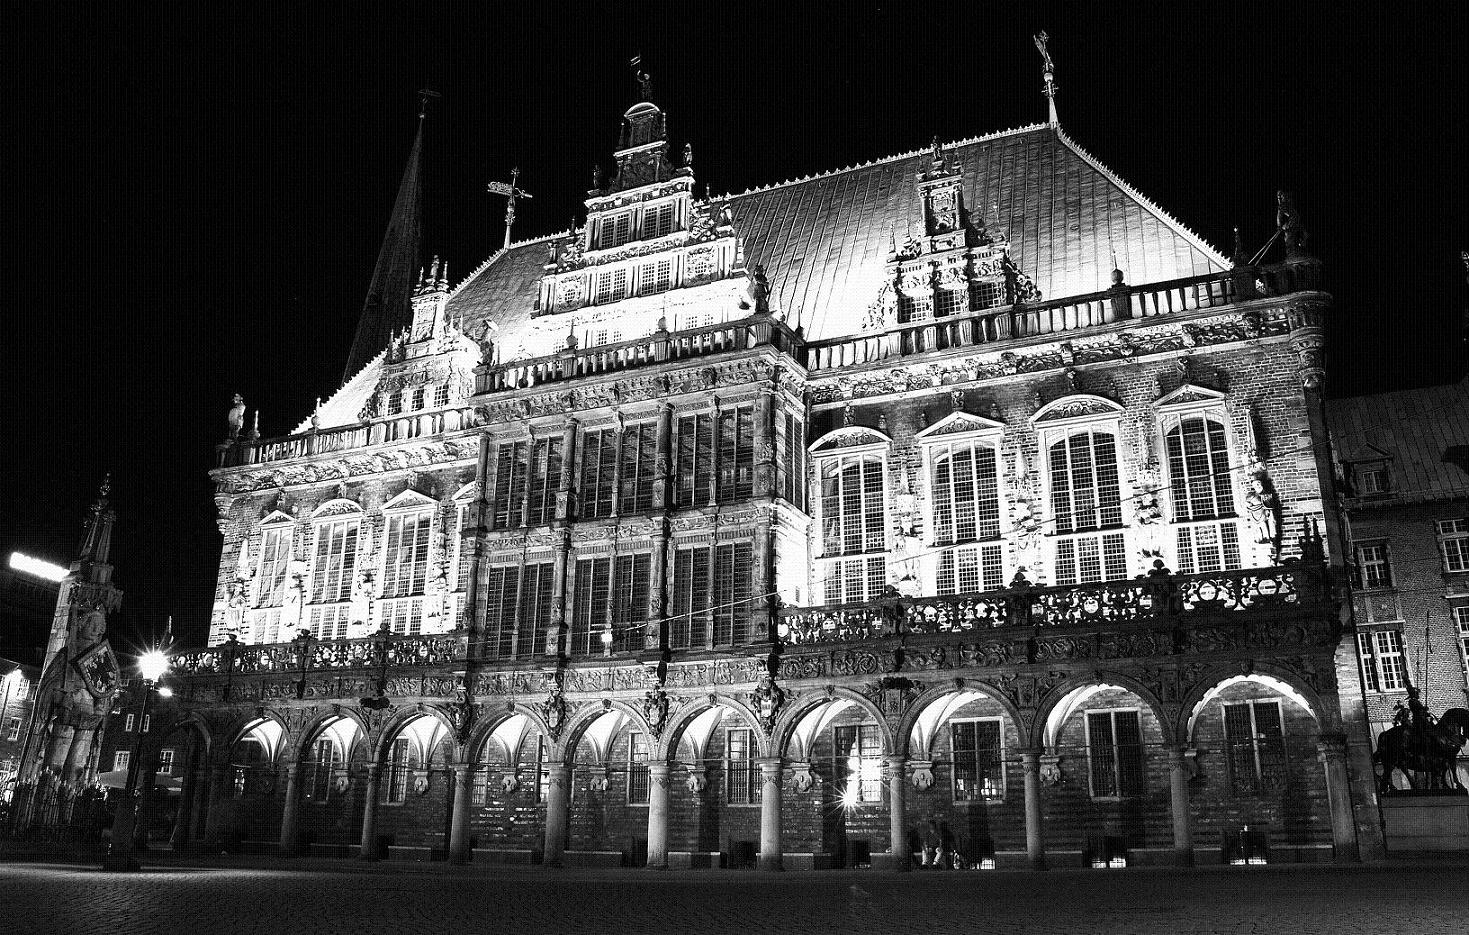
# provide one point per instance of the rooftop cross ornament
(511, 192)
(1050, 74)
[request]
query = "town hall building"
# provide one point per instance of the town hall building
(961, 506)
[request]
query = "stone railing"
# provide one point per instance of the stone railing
(1156, 596)
(1050, 317)
(382, 431)
(312, 655)
(657, 348)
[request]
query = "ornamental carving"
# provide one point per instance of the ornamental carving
(553, 712)
(768, 699)
(922, 775)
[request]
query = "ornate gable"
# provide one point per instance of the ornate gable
(849, 436)
(959, 423)
(1076, 406)
(409, 500)
(277, 518)
(1191, 394)
(336, 507)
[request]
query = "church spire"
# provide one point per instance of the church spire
(388, 307)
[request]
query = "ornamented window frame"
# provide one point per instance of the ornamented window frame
(409, 503)
(861, 443)
(961, 428)
(1058, 420)
(1192, 401)
(329, 513)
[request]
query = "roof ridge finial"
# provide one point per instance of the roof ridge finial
(1041, 39)
(645, 82)
(424, 97)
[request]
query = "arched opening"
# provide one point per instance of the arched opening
(510, 784)
(1106, 764)
(415, 790)
(610, 755)
(840, 813)
(252, 758)
(325, 760)
(715, 780)
(1257, 780)
(172, 806)
(967, 798)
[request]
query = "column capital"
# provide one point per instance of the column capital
(660, 769)
(895, 759)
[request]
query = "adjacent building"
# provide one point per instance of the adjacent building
(963, 497)
(1404, 460)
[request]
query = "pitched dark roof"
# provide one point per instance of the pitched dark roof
(824, 240)
(1412, 430)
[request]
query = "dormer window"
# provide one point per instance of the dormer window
(611, 286)
(615, 230)
(1371, 477)
(658, 222)
(656, 277)
(951, 302)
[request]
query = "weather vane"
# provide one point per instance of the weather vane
(1041, 39)
(511, 192)
(424, 97)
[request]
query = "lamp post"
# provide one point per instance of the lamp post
(151, 666)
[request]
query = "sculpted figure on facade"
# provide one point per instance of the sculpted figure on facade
(236, 416)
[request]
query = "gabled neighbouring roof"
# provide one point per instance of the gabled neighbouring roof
(1411, 430)
(824, 240)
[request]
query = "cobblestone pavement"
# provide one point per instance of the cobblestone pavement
(228, 896)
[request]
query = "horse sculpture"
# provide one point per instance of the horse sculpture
(1430, 751)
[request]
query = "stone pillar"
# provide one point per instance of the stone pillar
(658, 816)
(663, 479)
(1035, 845)
(369, 813)
(558, 808)
(188, 798)
(897, 767)
(289, 814)
(761, 577)
(770, 786)
(459, 850)
(220, 793)
(1183, 834)
(565, 482)
(765, 409)
(204, 802)
(1332, 750)
(556, 626)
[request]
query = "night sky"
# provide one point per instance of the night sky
(194, 196)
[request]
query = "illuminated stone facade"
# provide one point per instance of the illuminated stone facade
(776, 528)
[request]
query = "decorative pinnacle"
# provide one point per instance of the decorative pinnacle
(424, 97)
(1041, 40)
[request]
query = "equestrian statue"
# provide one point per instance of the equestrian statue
(1423, 747)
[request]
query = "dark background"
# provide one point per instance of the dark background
(194, 193)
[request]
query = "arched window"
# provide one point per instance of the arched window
(1086, 500)
(334, 569)
(1202, 495)
(853, 526)
(403, 760)
(270, 582)
(966, 509)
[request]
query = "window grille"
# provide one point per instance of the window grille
(593, 590)
(512, 464)
(132, 720)
(970, 568)
(502, 594)
(655, 277)
(402, 760)
(405, 559)
(1086, 559)
(265, 625)
(332, 578)
(615, 230)
(1374, 569)
(712, 590)
(545, 477)
(630, 601)
(1205, 547)
(1453, 543)
(1380, 653)
(404, 615)
(951, 302)
(695, 460)
(611, 286)
(1198, 470)
(639, 465)
(979, 767)
(322, 770)
(966, 497)
(637, 768)
(853, 522)
(12, 729)
(1255, 738)
(1372, 479)
(395, 403)
(535, 608)
(120, 759)
(856, 751)
(987, 294)
(791, 441)
(1115, 754)
(736, 454)
(418, 396)
(275, 557)
(1086, 495)
(441, 395)
(658, 222)
(165, 761)
(742, 784)
(543, 774)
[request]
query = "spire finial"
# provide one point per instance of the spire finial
(511, 191)
(424, 97)
(1041, 39)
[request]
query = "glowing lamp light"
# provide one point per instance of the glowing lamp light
(607, 637)
(152, 665)
(165, 692)
(38, 567)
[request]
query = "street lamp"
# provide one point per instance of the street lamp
(152, 666)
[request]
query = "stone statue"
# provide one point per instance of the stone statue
(760, 290)
(688, 155)
(768, 699)
(486, 343)
(237, 416)
(1288, 219)
(1262, 509)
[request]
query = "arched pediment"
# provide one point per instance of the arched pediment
(409, 500)
(469, 491)
(959, 423)
(849, 436)
(1190, 395)
(1076, 406)
(336, 507)
(277, 518)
